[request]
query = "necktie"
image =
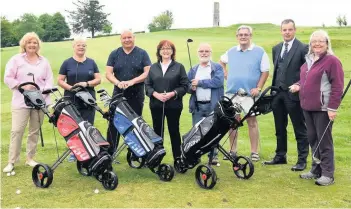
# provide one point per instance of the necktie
(285, 50)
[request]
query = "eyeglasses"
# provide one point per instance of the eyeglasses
(81, 45)
(243, 35)
(204, 51)
(318, 41)
(166, 49)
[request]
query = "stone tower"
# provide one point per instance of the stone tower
(216, 14)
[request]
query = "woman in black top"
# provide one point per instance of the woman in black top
(83, 71)
(166, 85)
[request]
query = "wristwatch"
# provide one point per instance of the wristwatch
(259, 89)
(87, 84)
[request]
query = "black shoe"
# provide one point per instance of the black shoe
(276, 160)
(299, 167)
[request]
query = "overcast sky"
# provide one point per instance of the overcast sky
(137, 14)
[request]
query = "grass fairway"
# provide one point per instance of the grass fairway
(270, 186)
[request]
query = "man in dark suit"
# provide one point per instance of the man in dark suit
(288, 57)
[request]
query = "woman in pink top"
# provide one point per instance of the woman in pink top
(24, 67)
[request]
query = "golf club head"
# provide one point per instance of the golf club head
(189, 40)
(241, 92)
(31, 74)
(316, 160)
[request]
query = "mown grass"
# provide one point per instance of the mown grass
(270, 186)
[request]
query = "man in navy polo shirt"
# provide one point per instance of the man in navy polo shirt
(127, 68)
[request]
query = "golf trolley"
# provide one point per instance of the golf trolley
(144, 145)
(83, 139)
(207, 134)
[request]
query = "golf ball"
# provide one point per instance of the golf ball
(8, 174)
(13, 173)
(96, 191)
(18, 191)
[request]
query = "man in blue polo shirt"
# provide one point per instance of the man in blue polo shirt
(127, 68)
(248, 69)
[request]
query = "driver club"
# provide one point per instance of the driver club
(187, 44)
(41, 132)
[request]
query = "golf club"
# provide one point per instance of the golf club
(314, 158)
(187, 44)
(40, 130)
(163, 118)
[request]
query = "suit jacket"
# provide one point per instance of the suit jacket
(292, 63)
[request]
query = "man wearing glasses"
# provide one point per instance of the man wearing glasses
(288, 56)
(248, 70)
(206, 81)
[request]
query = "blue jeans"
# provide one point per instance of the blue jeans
(203, 111)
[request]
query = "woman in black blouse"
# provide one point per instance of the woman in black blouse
(166, 85)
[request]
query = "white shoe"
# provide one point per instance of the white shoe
(8, 168)
(31, 163)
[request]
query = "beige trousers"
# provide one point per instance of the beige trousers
(20, 119)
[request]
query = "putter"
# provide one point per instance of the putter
(314, 158)
(187, 44)
(40, 130)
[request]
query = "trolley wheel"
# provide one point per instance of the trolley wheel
(42, 175)
(243, 167)
(134, 161)
(109, 180)
(82, 169)
(205, 177)
(165, 172)
(179, 166)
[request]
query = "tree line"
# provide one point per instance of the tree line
(48, 27)
(87, 16)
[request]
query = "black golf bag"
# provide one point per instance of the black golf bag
(83, 139)
(208, 132)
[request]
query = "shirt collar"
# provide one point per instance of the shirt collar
(290, 42)
(207, 65)
(166, 63)
(250, 48)
(25, 55)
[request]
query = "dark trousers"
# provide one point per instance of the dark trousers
(316, 125)
(88, 114)
(173, 117)
(282, 107)
(112, 133)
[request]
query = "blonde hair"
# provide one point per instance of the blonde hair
(78, 39)
(26, 38)
(326, 36)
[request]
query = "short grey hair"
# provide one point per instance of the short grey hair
(324, 34)
(79, 39)
(244, 27)
(127, 31)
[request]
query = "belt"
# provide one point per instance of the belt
(203, 102)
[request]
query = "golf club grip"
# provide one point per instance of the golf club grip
(41, 137)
